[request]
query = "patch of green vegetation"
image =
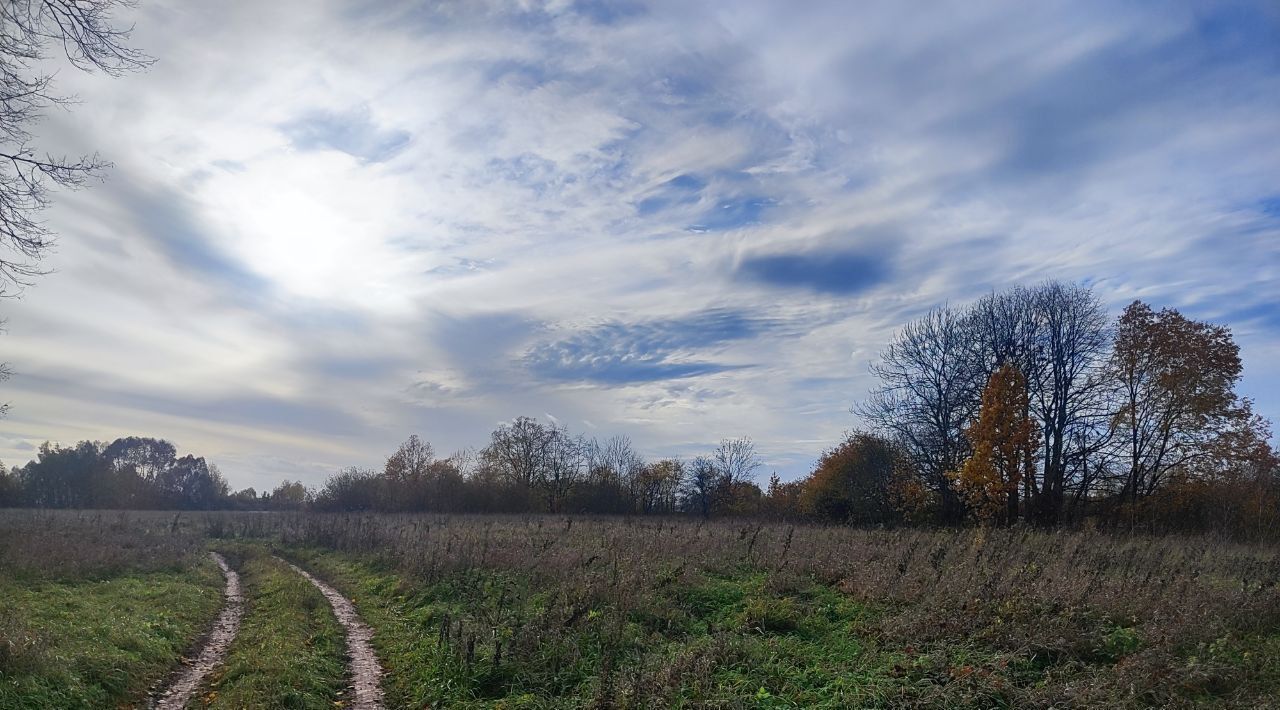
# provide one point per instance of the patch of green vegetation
(735, 638)
(488, 639)
(101, 642)
(289, 652)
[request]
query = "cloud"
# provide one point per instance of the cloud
(617, 353)
(352, 132)
(679, 190)
(835, 273)
(678, 221)
(166, 219)
(734, 213)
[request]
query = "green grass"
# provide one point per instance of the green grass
(289, 652)
(102, 642)
(723, 641)
(494, 612)
(732, 639)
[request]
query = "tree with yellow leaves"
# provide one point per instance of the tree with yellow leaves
(1004, 440)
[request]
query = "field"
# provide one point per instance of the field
(97, 609)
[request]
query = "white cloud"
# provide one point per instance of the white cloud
(333, 225)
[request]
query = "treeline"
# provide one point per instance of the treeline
(1034, 405)
(1029, 406)
(133, 473)
(529, 466)
(129, 473)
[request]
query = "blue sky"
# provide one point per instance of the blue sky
(334, 224)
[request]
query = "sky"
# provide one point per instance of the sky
(331, 225)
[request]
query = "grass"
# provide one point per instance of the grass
(289, 651)
(552, 612)
(738, 639)
(100, 642)
(546, 612)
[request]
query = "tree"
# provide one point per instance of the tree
(658, 484)
(929, 379)
(411, 461)
(1177, 379)
(84, 31)
(192, 484)
(136, 463)
(518, 451)
(852, 482)
(289, 495)
(1068, 387)
(64, 477)
(1004, 440)
(407, 473)
(698, 492)
(737, 461)
(613, 476)
(9, 489)
(565, 462)
(932, 376)
(350, 489)
(782, 500)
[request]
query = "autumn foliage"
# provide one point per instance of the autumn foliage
(1004, 440)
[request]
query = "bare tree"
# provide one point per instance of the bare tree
(930, 388)
(518, 451)
(737, 460)
(84, 31)
(698, 490)
(565, 466)
(616, 459)
(1068, 386)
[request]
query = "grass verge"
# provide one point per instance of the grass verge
(102, 642)
(289, 652)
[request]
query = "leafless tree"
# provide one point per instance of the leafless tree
(85, 33)
(932, 375)
(930, 388)
(565, 466)
(737, 460)
(700, 485)
(518, 451)
(1068, 386)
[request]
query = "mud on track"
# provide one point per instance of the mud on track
(187, 682)
(363, 668)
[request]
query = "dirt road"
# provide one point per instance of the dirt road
(363, 668)
(187, 682)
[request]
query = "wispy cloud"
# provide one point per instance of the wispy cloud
(352, 132)
(626, 353)
(331, 225)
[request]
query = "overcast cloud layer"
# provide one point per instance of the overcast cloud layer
(331, 225)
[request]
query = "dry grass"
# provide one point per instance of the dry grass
(636, 612)
(1075, 617)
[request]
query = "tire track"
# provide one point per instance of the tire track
(215, 646)
(362, 664)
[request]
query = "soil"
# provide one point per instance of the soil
(213, 650)
(362, 665)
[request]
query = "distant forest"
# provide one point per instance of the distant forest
(1031, 405)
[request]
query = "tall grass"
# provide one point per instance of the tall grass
(654, 609)
(1150, 619)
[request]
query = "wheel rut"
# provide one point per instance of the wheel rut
(214, 650)
(362, 665)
